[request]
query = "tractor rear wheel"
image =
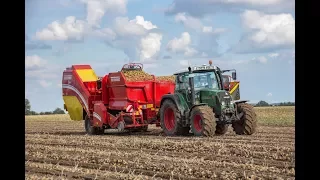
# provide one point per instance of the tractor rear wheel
(203, 121)
(170, 119)
(221, 129)
(91, 130)
(248, 123)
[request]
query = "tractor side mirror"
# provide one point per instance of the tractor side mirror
(226, 82)
(234, 75)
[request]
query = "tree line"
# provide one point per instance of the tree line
(264, 103)
(28, 110)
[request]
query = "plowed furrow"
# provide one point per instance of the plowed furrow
(76, 172)
(202, 147)
(156, 163)
(226, 139)
(137, 152)
(108, 167)
(220, 150)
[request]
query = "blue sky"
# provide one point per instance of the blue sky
(257, 38)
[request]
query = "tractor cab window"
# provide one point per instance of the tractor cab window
(182, 82)
(205, 80)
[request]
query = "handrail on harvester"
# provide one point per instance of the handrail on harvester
(132, 66)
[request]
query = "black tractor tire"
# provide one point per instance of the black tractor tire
(248, 123)
(90, 129)
(203, 121)
(170, 120)
(221, 129)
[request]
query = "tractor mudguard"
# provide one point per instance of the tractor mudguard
(179, 101)
(236, 102)
(200, 104)
(240, 101)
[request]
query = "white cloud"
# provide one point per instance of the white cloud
(34, 62)
(70, 29)
(204, 7)
(96, 9)
(150, 46)
(189, 21)
(196, 24)
(181, 45)
(273, 55)
(138, 38)
(269, 94)
(206, 36)
(105, 34)
(258, 60)
(138, 26)
(255, 2)
(44, 83)
(276, 29)
(266, 32)
(75, 30)
(45, 73)
(38, 68)
(209, 29)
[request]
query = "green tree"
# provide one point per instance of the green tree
(262, 103)
(27, 107)
(33, 113)
(58, 111)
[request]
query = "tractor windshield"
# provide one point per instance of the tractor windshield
(205, 80)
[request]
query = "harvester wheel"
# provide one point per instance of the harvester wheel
(90, 129)
(170, 120)
(248, 123)
(203, 122)
(221, 129)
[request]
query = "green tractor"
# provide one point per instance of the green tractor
(201, 103)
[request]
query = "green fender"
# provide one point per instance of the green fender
(182, 105)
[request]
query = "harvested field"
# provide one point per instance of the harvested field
(58, 148)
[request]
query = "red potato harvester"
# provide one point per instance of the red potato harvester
(112, 102)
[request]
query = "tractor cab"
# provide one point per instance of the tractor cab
(204, 85)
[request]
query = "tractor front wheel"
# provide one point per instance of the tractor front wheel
(91, 130)
(170, 119)
(248, 123)
(203, 122)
